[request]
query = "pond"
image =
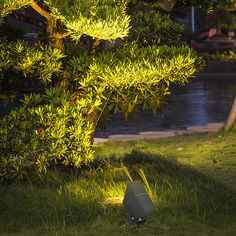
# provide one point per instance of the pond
(207, 99)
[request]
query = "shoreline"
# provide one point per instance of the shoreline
(142, 135)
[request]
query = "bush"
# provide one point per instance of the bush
(221, 56)
(47, 128)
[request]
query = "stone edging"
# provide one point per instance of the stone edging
(210, 127)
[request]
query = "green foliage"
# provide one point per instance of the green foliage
(221, 19)
(204, 4)
(40, 60)
(132, 76)
(104, 70)
(221, 56)
(44, 130)
(223, 15)
(168, 5)
(102, 19)
(226, 4)
(151, 27)
(7, 6)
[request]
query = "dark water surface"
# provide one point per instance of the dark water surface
(204, 100)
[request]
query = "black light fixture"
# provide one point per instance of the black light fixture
(137, 202)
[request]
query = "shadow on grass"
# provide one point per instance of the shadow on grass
(58, 202)
(182, 189)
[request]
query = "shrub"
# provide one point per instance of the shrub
(47, 128)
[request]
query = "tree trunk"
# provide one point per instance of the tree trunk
(53, 41)
(232, 116)
(56, 41)
(93, 119)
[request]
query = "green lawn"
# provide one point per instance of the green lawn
(193, 180)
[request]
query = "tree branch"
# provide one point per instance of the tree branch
(58, 35)
(166, 5)
(233, 8)
(41, 11)
(93, 45)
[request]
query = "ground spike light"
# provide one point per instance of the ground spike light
(137, 202)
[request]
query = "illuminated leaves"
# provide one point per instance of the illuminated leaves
(7, 6)
(41, 132)
(135, 77)
(41, 60)
(101, 19)
(119, 75)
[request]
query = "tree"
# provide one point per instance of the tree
(169, 5)
(97, 57)
(223, 15)
(232, 116)
(228, 5)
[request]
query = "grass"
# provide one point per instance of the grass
(192, 179)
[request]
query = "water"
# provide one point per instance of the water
(204, 100)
